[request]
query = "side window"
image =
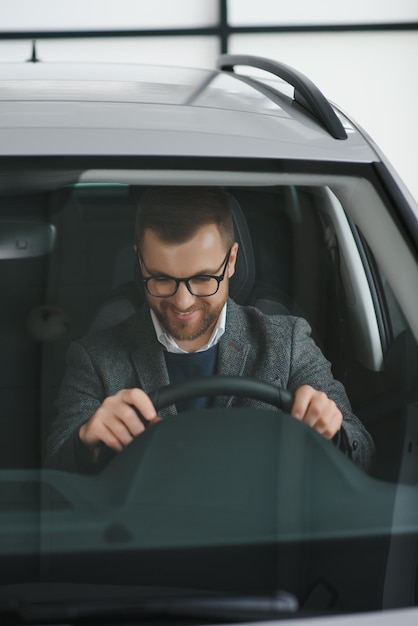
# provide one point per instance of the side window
(392, 412)
(62, 253)
(93, 259)
(27, 239)
(312, 260)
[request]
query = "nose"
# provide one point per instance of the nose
(183, 299)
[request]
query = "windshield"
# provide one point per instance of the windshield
(230, 499)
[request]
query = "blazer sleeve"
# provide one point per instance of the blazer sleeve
(309, 366)
(81, 393)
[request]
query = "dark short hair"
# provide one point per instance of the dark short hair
(174, 214)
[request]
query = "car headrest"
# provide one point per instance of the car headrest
(242, 282)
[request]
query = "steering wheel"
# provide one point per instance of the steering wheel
(243, 386)
(162, 445)
(206, 475)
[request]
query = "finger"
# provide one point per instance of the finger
(117, 421)
(318, 411)
(125, 428)
(115, 424)
(96, 431)
(330, 421)
(111, 441)
(323, 415)
(121, 418)
(301, 401)
(141, 401)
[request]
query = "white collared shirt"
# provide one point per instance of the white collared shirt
(171, 345)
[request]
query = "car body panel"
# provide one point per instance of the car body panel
(41, 113)
(333, 234)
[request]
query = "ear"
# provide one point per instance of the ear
(232, 259)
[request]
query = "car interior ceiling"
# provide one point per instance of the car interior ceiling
(88, 280)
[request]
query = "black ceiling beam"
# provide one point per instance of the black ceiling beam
(326, 28)
(100, 34)
(223, 30)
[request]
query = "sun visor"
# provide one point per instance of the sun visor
(21, 239)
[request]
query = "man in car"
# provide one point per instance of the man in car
(186, 250)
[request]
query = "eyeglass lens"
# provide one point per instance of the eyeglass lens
(198, 286)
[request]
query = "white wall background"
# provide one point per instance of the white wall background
(373, 75)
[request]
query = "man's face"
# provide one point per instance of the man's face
(189, 319)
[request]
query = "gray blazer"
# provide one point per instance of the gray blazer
(276, 349)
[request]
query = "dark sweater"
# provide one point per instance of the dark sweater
(182, 367)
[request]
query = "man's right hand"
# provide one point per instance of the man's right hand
(116, 422)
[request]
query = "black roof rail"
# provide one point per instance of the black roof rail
(307, 93)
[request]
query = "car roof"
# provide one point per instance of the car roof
(114, 109)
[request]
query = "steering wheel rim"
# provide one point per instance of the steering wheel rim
(242, 386)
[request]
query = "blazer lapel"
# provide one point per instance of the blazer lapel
(148, 358)
(234, 349)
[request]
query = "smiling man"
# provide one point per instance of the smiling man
(186, 251)
(187, 308)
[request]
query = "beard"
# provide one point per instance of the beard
(188, 331)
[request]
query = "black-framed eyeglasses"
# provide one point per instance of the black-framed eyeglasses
(200, 285)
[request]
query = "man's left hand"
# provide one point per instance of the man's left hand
(317, 410)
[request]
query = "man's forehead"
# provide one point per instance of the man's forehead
(207, 236)
(199, 255)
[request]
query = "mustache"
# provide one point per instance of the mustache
(165, 306)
